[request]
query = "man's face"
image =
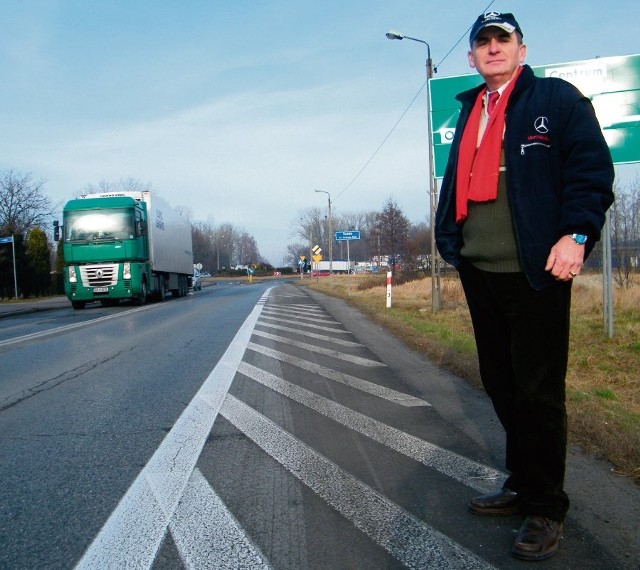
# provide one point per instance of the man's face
(496, 55)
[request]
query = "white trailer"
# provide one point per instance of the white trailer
(336, 266)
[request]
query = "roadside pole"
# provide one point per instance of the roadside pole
(348, 236)
(348, 269)
(389, 275)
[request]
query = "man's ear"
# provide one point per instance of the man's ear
(472, 63)
(523, 53)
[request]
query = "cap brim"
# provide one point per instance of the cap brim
(502, 25)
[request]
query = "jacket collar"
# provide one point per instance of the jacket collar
(523, 81)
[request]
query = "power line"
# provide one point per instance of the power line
(386, 138)
(381, 144)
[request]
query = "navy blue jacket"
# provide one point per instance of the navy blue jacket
(559, 172)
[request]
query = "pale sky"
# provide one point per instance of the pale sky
(238, 110)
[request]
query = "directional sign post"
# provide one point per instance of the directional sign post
(9, 239)
(348, 236)
(317, 258)
(301, 264)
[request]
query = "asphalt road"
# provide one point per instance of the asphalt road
(260, 426)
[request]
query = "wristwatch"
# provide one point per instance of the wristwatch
(580, 239)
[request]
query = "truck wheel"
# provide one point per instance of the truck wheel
(142, 299)
(78, 305)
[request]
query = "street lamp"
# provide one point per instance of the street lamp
(433, 190)
(330, 232)
(309, 235)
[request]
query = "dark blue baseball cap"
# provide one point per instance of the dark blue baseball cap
(504, 21)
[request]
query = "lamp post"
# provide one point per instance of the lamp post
(433, 190)
(309, 235)
(330, 232)
(219, 238)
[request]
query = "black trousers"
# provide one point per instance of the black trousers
(522, 336)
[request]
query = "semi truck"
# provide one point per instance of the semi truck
(124, 245)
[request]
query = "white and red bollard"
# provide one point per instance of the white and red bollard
(389, 289)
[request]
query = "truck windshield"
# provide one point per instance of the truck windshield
(91, 225)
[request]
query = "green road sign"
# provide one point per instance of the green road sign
(612, 84)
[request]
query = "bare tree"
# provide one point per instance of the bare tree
(248, 253)
(202, 237)
(124, 184)
(392, 226)
(23, 205)
(625, 233)
(294, 252)
(419, 245)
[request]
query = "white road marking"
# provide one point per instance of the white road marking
(171, 493)
(298, 307)
(207, 535)
(300, 316)
(411, 541)
(346, 379)
(263, 317)
(318, 349)
(65, 328)
(468, 472)
(133, 533)
(307, 334)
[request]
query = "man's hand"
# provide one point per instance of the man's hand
(565, 259)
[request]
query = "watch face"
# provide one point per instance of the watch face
(579, 238)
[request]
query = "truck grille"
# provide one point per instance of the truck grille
(99, 275)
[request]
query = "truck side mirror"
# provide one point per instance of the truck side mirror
(56, 230)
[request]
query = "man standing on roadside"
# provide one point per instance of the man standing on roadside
(523, 201)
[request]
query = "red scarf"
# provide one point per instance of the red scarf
(479, 166)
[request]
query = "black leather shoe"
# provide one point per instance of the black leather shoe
(501, 504)
(538, 539)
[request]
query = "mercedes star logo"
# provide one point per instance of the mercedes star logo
(541, 125)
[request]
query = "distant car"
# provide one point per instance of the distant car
(196, 283)
(205, 274)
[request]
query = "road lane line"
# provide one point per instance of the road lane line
(468, 472)
(298, 315)
(299, 306)
(324, 337)
(134, 531)
(408, 539)
(263, 317)
(347, 379)
(65, 328)
(207, 534)
(318, 349)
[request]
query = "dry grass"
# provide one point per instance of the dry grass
(603, 392)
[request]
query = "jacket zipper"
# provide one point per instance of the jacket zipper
(523, 146)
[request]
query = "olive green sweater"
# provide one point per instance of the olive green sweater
(489, 239)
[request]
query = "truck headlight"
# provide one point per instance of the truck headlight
(72, 274)
(126, 270)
